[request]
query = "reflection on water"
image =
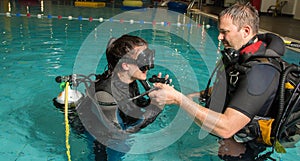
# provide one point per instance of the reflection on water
(34, 51)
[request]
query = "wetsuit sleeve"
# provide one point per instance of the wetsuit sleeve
(151, 112)
(136, 114)
(141, 118)
(256, 90)
(132, 114)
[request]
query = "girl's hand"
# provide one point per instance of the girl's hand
(158, 79)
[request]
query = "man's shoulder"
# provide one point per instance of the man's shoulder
(261, 76)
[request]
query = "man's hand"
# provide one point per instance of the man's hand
(165, 94)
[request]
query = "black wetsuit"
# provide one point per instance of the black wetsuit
(130, 117)
(254, 89)
(250, 86)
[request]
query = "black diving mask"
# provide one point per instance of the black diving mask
(145, 60)
(229, 56)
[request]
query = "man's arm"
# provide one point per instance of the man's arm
(224, 125)
(199, 94)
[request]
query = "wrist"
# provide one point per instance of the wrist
(178, 98)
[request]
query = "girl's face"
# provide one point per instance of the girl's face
(132, 72)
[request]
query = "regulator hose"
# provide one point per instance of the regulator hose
(282, 112)
(67, 121)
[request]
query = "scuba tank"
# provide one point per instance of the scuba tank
(74, 96)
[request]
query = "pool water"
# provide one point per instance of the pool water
(33, 51)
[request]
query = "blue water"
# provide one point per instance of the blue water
(33, 51)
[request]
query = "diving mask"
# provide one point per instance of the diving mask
(145, 60)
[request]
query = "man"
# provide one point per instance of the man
(250, 92)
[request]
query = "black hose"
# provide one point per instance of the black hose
(203, 98)
(280, 114)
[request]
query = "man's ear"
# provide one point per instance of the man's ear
(125, 66)
(247, 31)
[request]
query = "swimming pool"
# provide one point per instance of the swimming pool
(34, 50)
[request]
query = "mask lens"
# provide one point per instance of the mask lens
(145, 60)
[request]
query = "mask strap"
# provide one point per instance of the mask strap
(111, 40)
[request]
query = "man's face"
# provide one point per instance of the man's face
(230, 35)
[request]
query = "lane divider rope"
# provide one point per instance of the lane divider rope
(80, 18)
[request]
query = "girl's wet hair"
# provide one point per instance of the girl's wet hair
(242, 14)
(120, 47)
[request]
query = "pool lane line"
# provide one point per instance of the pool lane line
(80, 18)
